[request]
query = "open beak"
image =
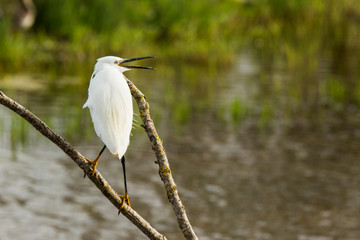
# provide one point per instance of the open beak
(135, 59)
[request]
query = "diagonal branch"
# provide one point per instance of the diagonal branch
(97, 179)
(162, 161)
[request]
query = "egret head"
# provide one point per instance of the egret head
(119, 62)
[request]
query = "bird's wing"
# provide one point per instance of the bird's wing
(111, 111)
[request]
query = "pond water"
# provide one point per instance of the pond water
(258, 151)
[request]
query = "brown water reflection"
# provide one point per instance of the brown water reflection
(256, 154)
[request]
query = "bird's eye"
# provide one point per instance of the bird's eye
(116, 62)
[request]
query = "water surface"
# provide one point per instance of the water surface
(258, 151)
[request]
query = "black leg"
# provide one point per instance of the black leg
(102, 150)
(125, 198)
(94, 162)
(124, 171)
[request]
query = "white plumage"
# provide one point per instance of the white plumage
(110, 104)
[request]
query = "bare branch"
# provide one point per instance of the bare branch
(97, 179)
(162, 161)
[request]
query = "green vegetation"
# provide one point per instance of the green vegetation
(306, 53)
(198, 31)
(80, 30)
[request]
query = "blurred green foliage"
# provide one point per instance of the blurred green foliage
(199, 31)
(306, 53)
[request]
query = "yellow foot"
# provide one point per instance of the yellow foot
(93, 164)
(125, 199)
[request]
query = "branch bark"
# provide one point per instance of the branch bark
(162, 161)
(97, 179)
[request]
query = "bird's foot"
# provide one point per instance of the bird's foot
(125, 199)
(93, 165)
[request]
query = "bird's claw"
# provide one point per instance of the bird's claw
(93, 165)
(125, 199)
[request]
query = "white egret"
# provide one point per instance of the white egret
(110, 105)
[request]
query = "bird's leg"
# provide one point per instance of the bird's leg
(95, 161)
(125, 197)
